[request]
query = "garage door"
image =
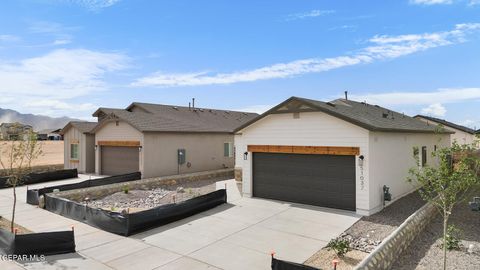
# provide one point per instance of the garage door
(119, 160)
(322, 180)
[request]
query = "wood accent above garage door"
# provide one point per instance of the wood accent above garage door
(313, 150)
(119, 143)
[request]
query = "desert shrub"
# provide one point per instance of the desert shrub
(339, 246)
(452, 239)
(126, 189)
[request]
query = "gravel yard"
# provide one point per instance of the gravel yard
(368, 232)
(425, 252)
(138, 200)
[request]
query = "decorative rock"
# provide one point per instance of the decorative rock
(471, 248)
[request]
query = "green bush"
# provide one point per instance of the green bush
(452, 238)
(339, 246)
(126, 189)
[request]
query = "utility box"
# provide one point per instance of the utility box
(182, 156)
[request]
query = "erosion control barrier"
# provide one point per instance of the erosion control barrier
(130, 223)
(285, 265)
(47, 243)
(35, 178)
(33, 195)
(384, 255)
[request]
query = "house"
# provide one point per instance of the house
(337, 154)
(160, 140)
(463, 135)
(14, 131)
(49, 135)
(79, 146)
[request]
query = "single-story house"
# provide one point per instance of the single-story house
(462, 135)
(49, 135)
(79, 146)
(337, 154)
(160, 140)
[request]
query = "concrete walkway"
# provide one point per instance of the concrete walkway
(237, 235)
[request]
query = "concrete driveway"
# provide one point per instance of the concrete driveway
(237, 235)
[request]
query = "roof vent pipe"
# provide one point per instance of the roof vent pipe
(346, 95)
(193, 103)
(189, 105)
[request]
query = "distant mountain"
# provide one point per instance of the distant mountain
(38, 122)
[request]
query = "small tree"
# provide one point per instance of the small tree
(447, 183)
(16, 159)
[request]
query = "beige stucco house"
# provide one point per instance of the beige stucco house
(337, 154)
(462, 135)
(79, 146)
(160, 140)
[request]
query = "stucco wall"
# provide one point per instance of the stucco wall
(311, 129)
(391, 157)
(74, 135)
(204, 151)
(112, 132)
(89, 153)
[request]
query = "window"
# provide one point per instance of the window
(228, 149)
(74, 151)
(424, 156)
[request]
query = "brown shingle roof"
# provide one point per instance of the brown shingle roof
(371, 117)
(84, 127)
(447, 123)
(168, 118)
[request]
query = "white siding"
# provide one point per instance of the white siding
(391, 157)
(111, 132)
(311, 129)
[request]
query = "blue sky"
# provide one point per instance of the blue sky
(68, 57)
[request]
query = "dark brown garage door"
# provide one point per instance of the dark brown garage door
(322, 180)
(119, 160)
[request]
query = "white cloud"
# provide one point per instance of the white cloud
(440, 96)
(255, 108)
(8, 38)
(52, 80)
(474, 2)
(435, 109)
(94, 4)
(431, 2)
(383, 47)
(309, 14)
(61, 42)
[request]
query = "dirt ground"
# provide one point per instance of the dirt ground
(368, 232)
(139, 200)
(5, 224)
(426, 253)
(52, 152)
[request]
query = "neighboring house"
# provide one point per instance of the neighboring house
(158, 140)
(336, 154)
(49, 135)
(79, 146)
(463, 135)
(14, 131)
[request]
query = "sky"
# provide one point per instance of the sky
(69, 57)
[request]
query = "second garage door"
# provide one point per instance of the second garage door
(322, 180)
(119, 160)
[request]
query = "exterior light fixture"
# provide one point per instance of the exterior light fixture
(96, 147)
(245, 156)
(140, 148)
(360, 160)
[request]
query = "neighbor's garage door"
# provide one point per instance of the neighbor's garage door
(322, 180)
(119, 160)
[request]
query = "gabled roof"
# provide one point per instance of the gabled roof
(169, 118)
(447, 123)
(371, 117)
(84, 127)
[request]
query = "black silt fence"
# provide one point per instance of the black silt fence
(33, 195)
(285, 265)
(47, 243)
(35, 178)
(131, 223)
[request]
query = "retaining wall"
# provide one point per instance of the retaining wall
(388, 251)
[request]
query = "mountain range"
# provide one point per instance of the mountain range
(38, 122)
